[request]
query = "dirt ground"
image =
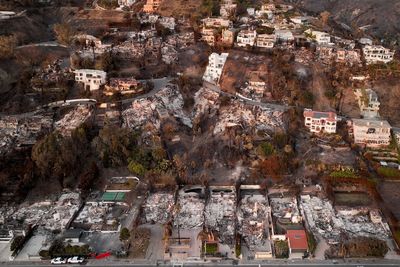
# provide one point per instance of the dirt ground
(179, 8)
(388, 91)
(140, 241)
(318, 89)
(390, 192)
(239, 67)
(349, 104)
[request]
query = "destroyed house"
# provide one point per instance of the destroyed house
(208, 36)
(123, 84)
(228, 36)
(368, 102)
(217, 23)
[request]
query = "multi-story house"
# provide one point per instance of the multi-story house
(151, 6)
(377, 53)
(92, 79)
(371, 133)
(265, 40)
(320, 122)
(321, 38)
(284, 36)
(215, 67)
(246, 38)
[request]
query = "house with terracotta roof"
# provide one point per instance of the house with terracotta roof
(320, 122)
(298, 244)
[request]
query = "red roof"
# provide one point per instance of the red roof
(297, 239)
(329, 116)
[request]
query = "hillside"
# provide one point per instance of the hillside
(382, 17)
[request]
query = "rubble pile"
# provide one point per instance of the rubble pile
(323, 219)
(171, 99)
(48, 215)
(220, 213)
(141, 112)
(130, 49)
(169, 54)
(166, 101)
(181, 40)
(33, 214)
(158, 207)
(73, 120)
(255, 91)
(253, 221)
(190, 212)
(49, 76)
(15, 131)
(205, 101)
(98, 216)
(62, 212)
(248, 117)
(304, 56)
(285, 208)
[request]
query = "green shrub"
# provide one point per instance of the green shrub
(389, 172)
(343, 174)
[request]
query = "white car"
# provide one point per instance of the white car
(58, 260)
(76, 260)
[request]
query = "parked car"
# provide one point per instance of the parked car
(58, 260)
(76, 260)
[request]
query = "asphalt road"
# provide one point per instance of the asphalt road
(272, 106)
(275, 263)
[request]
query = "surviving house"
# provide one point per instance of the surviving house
(151, 6)
(322, 38)
(297, 241)
(318, 121)
(265, 40)
(368, 102)
(377, 53)
(284, 36)
(246, 38)
(92, 79)
(371, 133)
(215, 66)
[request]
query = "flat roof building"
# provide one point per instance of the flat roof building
(372, 133)
(92, 79)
